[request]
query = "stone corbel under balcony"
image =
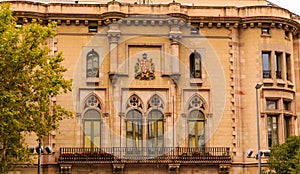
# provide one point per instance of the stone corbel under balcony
(118, 168)
(224, 168)
(65, 168)
(175, 78)
(173, 168)
(115, 76)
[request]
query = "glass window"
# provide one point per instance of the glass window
(266, 64)
(92, 64)
(286, 105)
(278, 64)
(272, 104)
(134, 128)
(272, 130)
(196, 128)
(93, 29)
(287, 34)
(265, 31)
(287, 126)
(155, 129)
(288, 67)
(92, 128)
(195, 65)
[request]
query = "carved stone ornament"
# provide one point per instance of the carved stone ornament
(144, 69)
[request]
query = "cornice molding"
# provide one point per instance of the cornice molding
(109, 16)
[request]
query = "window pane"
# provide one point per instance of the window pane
(195, 65)
(265, 61)
(271, 104)
(92, 64)
(278, 64)
(160, 128)
(266, 64)
(87, 133)
(196, 128)
(97, 133)
(288, 67)
(272, 130)
(286, 105)
(287, 129)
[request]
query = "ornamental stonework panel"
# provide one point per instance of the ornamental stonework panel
(144, 68)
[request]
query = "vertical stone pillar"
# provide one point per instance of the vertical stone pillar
(175, 35)
(113, 35)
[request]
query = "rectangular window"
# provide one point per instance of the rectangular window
(287, 34)
(93, 29)
(288, 67)
(194, 30)
(278, 64)
(266, 64)
(272, 130)
(287, 127)
(271, 104)
(286, 105)
(265, 31)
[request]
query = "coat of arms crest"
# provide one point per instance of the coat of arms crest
(144, 69)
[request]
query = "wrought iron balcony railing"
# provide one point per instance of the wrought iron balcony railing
(163, 155)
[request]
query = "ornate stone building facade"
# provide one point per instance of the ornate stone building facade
(169, 86)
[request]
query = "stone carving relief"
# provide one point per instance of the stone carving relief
(144, 68)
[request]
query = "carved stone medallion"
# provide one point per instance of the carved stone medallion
(144, 68)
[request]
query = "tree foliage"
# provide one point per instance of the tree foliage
(29, 78)
(285, 158)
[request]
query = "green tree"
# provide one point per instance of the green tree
(29, 78)
(285, 158)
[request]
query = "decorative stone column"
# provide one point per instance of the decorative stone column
(113, 35)
(175, 35)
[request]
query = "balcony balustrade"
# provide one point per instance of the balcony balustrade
(155, 155)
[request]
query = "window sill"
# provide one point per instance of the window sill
(196, 81)
(290, 83)
(268, 81)
(265, 35)
(280, 82)
(92, 80)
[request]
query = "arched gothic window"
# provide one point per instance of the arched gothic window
(195, 65)
(92, 122)
(134, 128)
(92, 128)
(92, 64)
(196, 127)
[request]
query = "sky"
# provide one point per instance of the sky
(292, 5)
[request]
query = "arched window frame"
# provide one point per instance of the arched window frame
(134, 126)
(92, 103)
(196, 104)
(92, 64)
(92, 127)
(196, 127)
(155, 126)
(195, 65)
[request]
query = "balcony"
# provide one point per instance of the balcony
(154, 155)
